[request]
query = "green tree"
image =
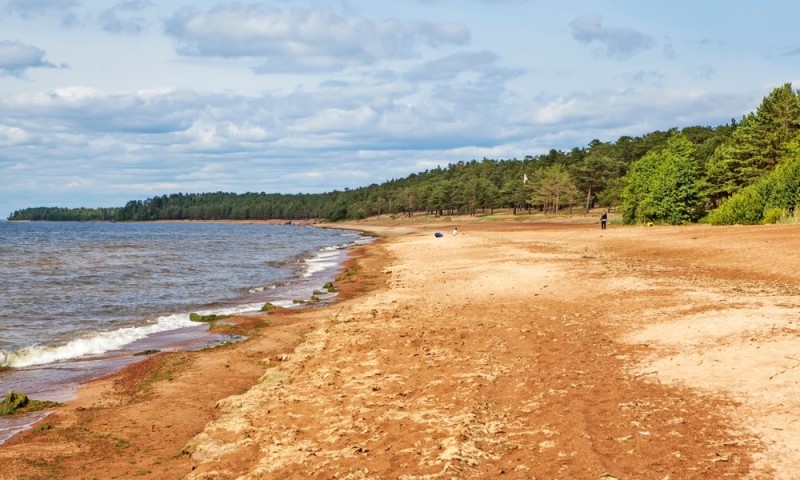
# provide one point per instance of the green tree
(552, 187)
(663, 186)
(756, 146)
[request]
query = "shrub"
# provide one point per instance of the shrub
(774, 215)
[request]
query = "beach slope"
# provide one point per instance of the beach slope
(510, 350)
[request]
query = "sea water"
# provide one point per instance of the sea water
(77, 300)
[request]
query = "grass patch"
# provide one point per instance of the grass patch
(224, 326)
(42, 428)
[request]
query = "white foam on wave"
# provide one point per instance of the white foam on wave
(103, 342)
(286, 304)
(261, 289)
(327, 257)
(344, 246)
(94, 344)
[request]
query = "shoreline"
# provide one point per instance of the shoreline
(479, 355)
(142, 384)
(196, 336)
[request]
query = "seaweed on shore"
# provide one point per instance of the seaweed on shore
(196, 317)
(146, 352)
(267, 307)
(16, 402)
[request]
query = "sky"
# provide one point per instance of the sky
(102, 102)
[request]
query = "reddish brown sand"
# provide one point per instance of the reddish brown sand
(510, 351)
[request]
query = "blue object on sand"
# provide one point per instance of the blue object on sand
(438, 235)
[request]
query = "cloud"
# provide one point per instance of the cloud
(12, 136)
(669, 48)
(619, 43)
(705, 72)
(122, 18)
(304, 40)
(790, 53)
(348, 134)
(653, 77)
(636, 111)
(16, 58)
(28, 9)
(449, 67)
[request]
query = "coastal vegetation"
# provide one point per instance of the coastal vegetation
(16, 402)
(196, 317)
(268, 307)
(742, 172)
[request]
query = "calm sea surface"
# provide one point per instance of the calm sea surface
(77, 299)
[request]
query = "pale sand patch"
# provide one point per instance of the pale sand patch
(488, 354)
(750, 353)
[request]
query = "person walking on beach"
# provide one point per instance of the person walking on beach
(455, 231)
(603, 220)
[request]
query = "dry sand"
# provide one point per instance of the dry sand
(512, 350)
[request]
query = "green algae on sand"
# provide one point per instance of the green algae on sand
(20, 403)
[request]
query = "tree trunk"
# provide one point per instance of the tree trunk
(588, 199)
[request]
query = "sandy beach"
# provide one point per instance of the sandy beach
(512, 350)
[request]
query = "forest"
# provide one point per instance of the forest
(744, 172)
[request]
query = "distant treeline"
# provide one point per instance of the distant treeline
(746, 171)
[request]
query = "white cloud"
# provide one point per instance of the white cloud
(648, 77)
(28, 9)
(12, 136)
(619, 43)
(449, 67)
(338, 120)
(16, 58)
(124, 17)
(78, 183)
(304, 40)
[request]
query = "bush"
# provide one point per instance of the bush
(767, 201)
(774, 215)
